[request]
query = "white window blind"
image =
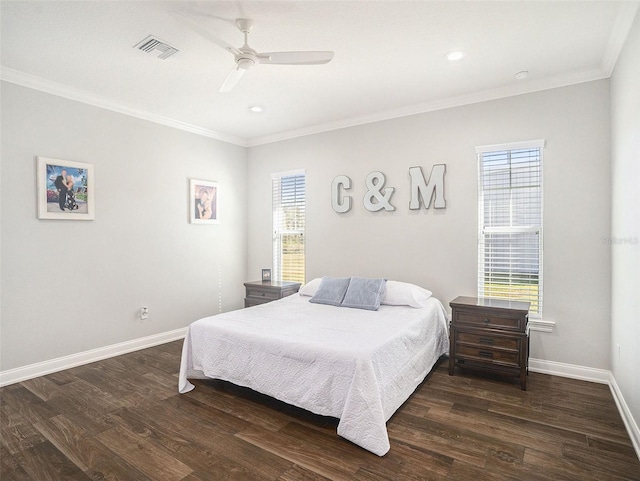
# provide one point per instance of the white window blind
(510, 222)
(288, 226)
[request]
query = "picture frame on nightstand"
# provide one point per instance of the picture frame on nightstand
(266, 275)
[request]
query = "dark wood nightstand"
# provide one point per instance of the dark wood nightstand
(258, 292)
(490, 335)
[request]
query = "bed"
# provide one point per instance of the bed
(353, 364)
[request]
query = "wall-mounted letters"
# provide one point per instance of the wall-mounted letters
(339, 204)
(378, 196)
(375, 185)
(434, 188)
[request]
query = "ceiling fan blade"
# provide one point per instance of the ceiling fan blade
(296, 58)
(199, 29)
(232, 79)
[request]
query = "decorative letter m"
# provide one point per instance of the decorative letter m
(426, 191)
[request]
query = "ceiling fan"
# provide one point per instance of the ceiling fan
(246, 58)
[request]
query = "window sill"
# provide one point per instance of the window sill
(541, 325)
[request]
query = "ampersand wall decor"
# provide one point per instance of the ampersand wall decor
(375, 184)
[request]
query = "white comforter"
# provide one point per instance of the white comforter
(352, 364)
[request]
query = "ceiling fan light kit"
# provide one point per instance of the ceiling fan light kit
(246, 57)
(245, 63)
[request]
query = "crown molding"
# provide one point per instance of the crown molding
(38, 83)
(452, 102)
(55, 88)
(619, 33)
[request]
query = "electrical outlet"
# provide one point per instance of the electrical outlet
(144, 313)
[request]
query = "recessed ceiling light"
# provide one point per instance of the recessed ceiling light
(456, 55)
(256, 109)
(523, 74)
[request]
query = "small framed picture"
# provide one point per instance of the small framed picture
(266, 275)
(203, 202)
(65, 190)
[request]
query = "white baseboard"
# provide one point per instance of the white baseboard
(572, 371)
(625, 413)
(20, 374)
(601, 376)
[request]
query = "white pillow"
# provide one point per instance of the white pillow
(405, 294)
(310, 288)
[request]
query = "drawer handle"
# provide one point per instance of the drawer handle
(486, 340)
(487, 320)
(488, 354)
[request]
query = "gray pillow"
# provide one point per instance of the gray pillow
(331, 291)
(364, 293)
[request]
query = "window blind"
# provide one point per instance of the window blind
(510, 223)
(288, 202)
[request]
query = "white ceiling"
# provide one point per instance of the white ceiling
(389, 57)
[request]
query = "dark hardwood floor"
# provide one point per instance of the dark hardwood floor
(122, 419)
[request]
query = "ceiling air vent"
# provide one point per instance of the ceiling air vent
(152, 43)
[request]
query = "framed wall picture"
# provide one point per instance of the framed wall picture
(203, 202)
(65, 190)
(266, 275)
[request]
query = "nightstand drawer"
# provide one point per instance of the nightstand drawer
(487, 340)
(254, 301)
(267, 294)
(489, 320)
(487, 354)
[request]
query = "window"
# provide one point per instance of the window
(510, 222)
(288, 226)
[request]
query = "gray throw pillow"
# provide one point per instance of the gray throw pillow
(331, 291)
(364, 293)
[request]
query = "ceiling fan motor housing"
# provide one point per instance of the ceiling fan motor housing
(244, 24)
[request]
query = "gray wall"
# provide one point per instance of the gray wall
(68, 287)
(141, 250)
(438, 248)
(625, 230)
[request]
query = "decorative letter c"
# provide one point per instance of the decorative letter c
(340, 206)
